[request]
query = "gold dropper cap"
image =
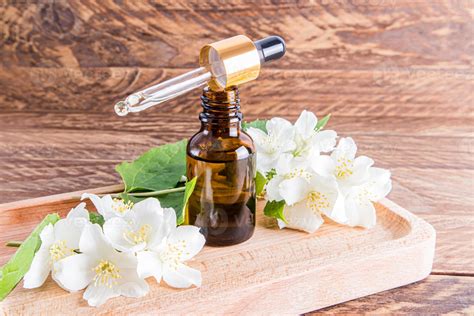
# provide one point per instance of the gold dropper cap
(236, 59)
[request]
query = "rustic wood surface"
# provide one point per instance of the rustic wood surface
(396, 75)
(288, 271)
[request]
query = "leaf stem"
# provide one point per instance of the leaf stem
(17, 244)
(154, 193)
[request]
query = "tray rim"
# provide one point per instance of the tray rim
(116, 188)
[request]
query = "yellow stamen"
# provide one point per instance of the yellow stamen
(106, 273)
(139, 236)
(120, 206)
(174, 253)
(344, 168)
(317, 201)
(60, 250)
(298, 173)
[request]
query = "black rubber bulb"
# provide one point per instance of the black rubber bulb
(270, 48)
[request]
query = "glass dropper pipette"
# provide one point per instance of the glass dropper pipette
(225, 63)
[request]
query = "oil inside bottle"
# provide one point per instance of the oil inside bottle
(222, 157)
(223, 201)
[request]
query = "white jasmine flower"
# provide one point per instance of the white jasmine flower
(359, 184)
(109, 207)
(343, 165)
(309, 142)
(307, 203)
(145, 226)
(290, 172)
(307, 195)
(270, 145)
(167, 260)
(57, 242)
(105, 272)
(358, 202)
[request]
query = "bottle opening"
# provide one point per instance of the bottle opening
(220, 98)
(220, 107)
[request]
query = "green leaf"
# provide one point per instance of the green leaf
(173, 200)
(96, 218)
(260, 124)
(14, 270)
(179, 200)
(158, 169)
(176, 200)
(260, 181)
(321, 123)
(275, 209)
(190, 185)
(270, 174)
(127, 197)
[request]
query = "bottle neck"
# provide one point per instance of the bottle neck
(221, 114)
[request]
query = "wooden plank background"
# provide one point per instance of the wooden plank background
(397, 75)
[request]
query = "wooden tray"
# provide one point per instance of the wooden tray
(276, 271)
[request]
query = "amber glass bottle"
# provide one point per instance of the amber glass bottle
(222, 157)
